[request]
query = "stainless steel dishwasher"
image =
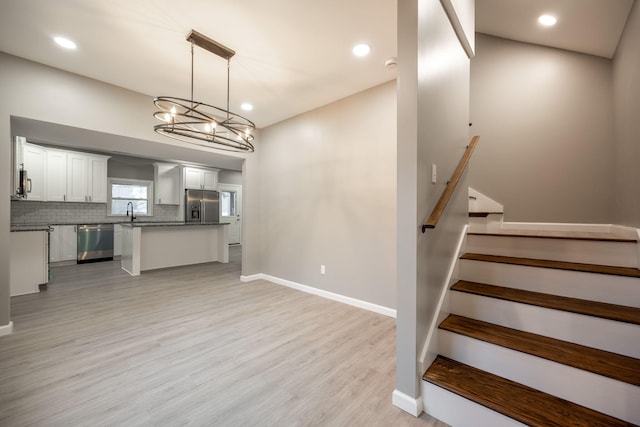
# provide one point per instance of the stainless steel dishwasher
(95, 243)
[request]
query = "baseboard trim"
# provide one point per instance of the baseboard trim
(407, 403)
(386, 311)
(6, 329)
(251, 278)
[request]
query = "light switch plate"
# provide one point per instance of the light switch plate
(434, 173)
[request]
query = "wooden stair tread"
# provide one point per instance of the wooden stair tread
(483, 214)
(549, 234)
(574, 305)
(517, 401)
(612, 365)
(559, 265)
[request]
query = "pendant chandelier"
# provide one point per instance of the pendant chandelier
(202, 124)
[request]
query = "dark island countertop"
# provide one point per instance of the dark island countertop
(170, 224)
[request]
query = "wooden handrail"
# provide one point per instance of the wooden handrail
(439, 208)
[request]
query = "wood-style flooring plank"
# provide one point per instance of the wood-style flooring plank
(524, 404)
(574, 305)
(559, 265)
(193, 346)
(612, 365)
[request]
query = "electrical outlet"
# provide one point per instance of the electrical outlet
(434, 173)
(322, 269)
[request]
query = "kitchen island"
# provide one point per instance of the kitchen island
(149, 246)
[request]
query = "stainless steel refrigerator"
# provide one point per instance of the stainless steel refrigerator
(202, 206)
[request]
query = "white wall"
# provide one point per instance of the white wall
(546, 121)
(626, 86)
(328, 182)
(433, 116)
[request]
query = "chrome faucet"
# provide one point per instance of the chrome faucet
(132, 217)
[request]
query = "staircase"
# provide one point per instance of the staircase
(543, 330)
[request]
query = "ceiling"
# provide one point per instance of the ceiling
(588, 26)
(292, 55)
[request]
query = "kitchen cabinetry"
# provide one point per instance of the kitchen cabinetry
(33, 161)
(56, 172)
(76, 177)
(200, 179)
(117, 240)
(167, 183)
(64, 243)
(28, 262)
(77, 180)
(97, 188)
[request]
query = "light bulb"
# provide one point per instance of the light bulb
(173, 111)
(65, 43)
(362, 49)
(547, 20)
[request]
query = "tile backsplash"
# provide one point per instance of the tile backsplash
(37, 213)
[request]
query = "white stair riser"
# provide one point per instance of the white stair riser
(609, 335)
(619, 254)
(575, 385)
(491, 223)
(460, 412)
(611, 289)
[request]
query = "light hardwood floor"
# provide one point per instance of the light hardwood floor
(193, 346)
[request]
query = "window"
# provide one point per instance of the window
(124, 193)
(228, 203)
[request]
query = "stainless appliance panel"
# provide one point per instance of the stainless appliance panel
(210, 206)
(95, 243)
(202, 206)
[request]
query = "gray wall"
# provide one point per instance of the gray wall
(626, 86)
(130, 168)
(230, 177)
(122, 121)
(328, 197)
(433, 116)
(546, 121)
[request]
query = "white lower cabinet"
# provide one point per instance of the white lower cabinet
(117, 240)
(28, 262)
(64, 243)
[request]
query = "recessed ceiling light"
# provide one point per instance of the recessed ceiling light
(64, 42)
(246, 106)
(547, 20)
(362, 49)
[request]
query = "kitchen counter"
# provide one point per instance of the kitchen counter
(149, 246)
(170, 224)
(31, 228)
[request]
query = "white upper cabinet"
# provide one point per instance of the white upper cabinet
(97, 174)
(167, 184)
(201, 179)
(77, 180)
(76, 177)
(56, 167)
(34, 160)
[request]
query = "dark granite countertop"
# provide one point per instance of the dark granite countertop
(46, 227)
(170, 224)
(30, 228)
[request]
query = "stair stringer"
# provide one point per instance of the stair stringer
(430, 346)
